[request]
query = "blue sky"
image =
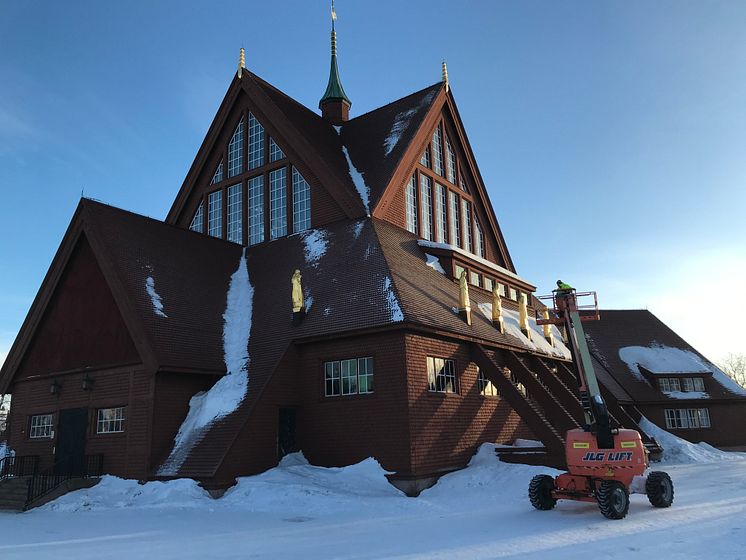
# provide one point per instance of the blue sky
(611, 135)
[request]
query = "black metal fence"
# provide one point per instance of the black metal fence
(13, 466)
(41, 484)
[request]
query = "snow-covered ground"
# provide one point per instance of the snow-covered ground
(301, 511)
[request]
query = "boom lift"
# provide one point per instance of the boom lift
(602, 460)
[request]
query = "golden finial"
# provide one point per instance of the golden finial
(445, 75)
(241, 62)
(497, 310)
(464, 305)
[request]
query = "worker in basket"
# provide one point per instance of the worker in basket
(564, 297)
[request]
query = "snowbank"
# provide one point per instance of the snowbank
(155, 299)
(680, 451)
(226, 395)
(298, 487)
(658, 358)
(114, 493)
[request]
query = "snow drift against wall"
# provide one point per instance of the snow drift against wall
(226, 395)
(155, 299)
(658, 358)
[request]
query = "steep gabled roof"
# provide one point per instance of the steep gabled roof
(376, 141)
(619, 329)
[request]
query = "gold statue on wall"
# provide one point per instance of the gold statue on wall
(523, 316)
(297, 293)
(464, 306)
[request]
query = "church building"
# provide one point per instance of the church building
(326, 283)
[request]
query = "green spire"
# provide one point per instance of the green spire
(334, 89)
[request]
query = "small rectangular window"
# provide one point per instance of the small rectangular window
(692, 418)
(256, 143)
(687, 384)
(348, 377)
(441, 375)
(502, 289)
(704, 418)
(513, 294)
(301, 203)
(278, 215)
(664, 385)
(215, 214)
(699, 384)
(411, 196)
(235, 213)
(486, 388)
(675, 384)
(459, 271)
(466, 208)
(474, 278)
(42, 426)
(489, 284)
(479, 239)
(235, 152)
(110, 420)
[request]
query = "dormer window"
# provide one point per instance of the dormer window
(235, 152)
(681, 384)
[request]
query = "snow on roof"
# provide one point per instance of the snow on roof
(315, 245)
(661, 360)
(362, 189)
(396, 312)
(512, 323)
(226, 395)
(480, 260)
(686, 395)
(434, 263)
(154, 297)
(401, 123)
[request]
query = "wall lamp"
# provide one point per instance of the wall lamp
(55, 387)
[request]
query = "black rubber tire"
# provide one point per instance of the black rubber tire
(613, 499)
(659, 489)
(540, 492)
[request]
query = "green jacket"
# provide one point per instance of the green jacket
(563, 286)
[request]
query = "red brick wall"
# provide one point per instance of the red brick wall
(171, 405)
(331, 431)
(81, 325)
(126, 453)
(446, 429)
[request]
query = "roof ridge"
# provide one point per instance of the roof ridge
(91, 201)
(394, 101)
(264, 82)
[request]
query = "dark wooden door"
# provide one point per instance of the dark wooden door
(286, 441)
(69, 457)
